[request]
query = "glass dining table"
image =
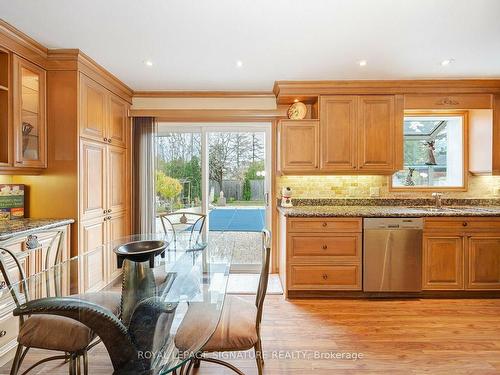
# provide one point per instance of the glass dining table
(155, 296)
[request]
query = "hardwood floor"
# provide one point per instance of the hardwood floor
(393, 336)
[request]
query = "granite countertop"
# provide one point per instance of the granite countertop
(388, 211)
(23, 227)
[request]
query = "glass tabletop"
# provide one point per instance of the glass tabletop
(142, 316)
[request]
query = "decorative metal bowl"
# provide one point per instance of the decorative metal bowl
(140, 251)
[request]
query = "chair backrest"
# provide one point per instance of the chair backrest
(177, 222)
(264, 275)
(7, 258)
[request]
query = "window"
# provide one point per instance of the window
(434, 152)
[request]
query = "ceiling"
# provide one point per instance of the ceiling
(195, 45)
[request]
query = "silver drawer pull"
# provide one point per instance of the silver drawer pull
(3, 333)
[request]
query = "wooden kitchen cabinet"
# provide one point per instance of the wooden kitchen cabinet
(116, 228)
(103, 115)
(299, 145)
(484, 262)
(93, 109)
(338, 133)
(360, 134)
(116, 172)
(93, 169)
(443, 262)
(376, 133)
(29, 114)
(94, 264)
(461, 254)
(321, 254)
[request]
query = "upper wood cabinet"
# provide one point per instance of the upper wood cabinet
(376, 133)
(93, 109)
(338, 133)
(357, 134)
(5, 103)
(103, 115)
(29, 114)
(299, 145)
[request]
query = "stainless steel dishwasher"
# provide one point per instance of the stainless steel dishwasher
(392, 254)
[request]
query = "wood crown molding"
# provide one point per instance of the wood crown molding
(211, 115)
(203, 94)
(285, 90)
(60, 59)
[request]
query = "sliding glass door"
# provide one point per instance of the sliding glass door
(222, 170)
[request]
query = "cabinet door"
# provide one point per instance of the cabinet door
(92, 180)
(94, 263)
(338, 133)
(484, 262)
(443, 262)
(376, 133)
(117, 227)
(299, 145)
(29, 104)
(93, 109)
(117, 121)
(116, 171)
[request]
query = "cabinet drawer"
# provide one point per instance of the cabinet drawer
(9, 328)
(324, 225)
(325, 277)
(338, 247)
(463, 224)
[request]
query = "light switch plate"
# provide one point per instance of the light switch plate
(374, 192)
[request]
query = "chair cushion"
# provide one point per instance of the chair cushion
(236, 329)
(53, 332)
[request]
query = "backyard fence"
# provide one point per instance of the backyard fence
(233, 189)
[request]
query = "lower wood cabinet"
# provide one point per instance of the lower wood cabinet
(461, 254)
(321, 254)
(484, 262)
(97, 236)
(443, 260)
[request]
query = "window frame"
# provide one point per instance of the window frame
(465, 153)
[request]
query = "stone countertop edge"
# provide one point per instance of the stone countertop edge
(22, 227)
(384, 211)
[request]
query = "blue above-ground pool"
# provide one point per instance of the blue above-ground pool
(237, 219)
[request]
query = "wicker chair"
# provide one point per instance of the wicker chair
(239, 325)
(72, 338)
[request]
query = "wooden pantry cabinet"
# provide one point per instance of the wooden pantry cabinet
(354, 134)
(461, 254)
(320, 254)
(104, 179)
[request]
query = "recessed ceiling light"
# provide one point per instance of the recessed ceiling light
(148, 62)
(362, 63)
(239, 63)
(447, 62)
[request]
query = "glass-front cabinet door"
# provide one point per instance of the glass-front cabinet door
(29, 115)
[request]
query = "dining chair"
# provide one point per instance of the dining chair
(239, 325)
(70, 337)
(177, 222)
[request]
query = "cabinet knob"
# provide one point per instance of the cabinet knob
(104, 212)
(3, 284)
(109, 140)
(465, 224)
(109, 217)
(109, 211)
(324, 276)
(105, 139)
(324, 247)
(325, 224)
(3, 333)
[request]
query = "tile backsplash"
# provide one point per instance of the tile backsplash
(359, 187)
